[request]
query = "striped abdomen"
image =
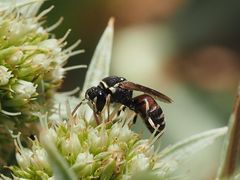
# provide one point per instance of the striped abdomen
(150, 111)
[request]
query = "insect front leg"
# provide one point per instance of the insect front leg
(96, 114)
(108, 100)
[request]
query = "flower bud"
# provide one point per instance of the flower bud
(51, 44)
(71, 145)
(15, 58)
(40, 60)
(5, 75)
(24, 158)
(39, 160)
(97, 140)
(139, 162)
(56, 74)
(24, 89)
(122, 133)
(84, 164)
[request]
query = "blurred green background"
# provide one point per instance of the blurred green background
(188, 50)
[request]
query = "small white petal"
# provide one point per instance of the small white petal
(40, 160)
(24, 158)
(5, 75)
(93, 137)
(57, 73)
(84, 158)
(15, 58)
(51, 44)
(122, 133)
(71, 144)
(24, 89)
(41, 59)
(26, 7)
(139, 163)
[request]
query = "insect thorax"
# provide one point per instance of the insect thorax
(111, 81)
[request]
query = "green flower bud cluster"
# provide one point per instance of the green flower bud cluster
(107, 151)
(31, 62)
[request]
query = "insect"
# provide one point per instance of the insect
(121, 91)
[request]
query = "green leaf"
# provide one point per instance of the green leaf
(60, 167)
(100, 63)
(171, 157)
(230, 158)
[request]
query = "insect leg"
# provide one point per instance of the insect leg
(121, 109)
(108, 107)
(134, 118)
(96, 114)
(156, 129)
(133, 121)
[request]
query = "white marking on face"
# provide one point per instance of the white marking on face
(95, 100)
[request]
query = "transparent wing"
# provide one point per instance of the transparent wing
(137, 87)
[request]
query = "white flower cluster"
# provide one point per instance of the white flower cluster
(31, 61)
(92, 152)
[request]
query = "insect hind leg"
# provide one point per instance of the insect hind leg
(121, 109)
(133, 120)
(128, 120)
(155, 128)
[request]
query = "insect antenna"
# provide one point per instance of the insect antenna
(77, 107)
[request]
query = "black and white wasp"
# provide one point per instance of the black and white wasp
(121, 91)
